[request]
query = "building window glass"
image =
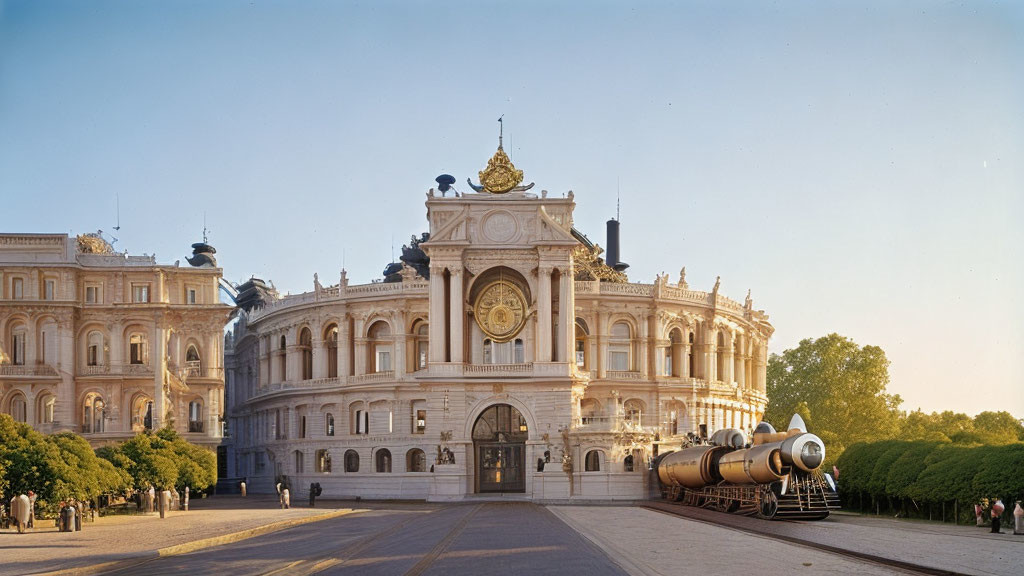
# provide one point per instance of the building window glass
(49, 288)
(383, 460)
(18, 344)
(332, 351)
(19, 408)
(416, 460)
(592, 462)
(422, 346)
(306, 346)
(195, 416)
(92, 294)
(323, 461)
(619, 346)
(137, 349)
(421, 422)
(351, 461)
(329, 425)
(46, 409)
(190, 296)
(140, 292)
(17, 288)
(300, 464)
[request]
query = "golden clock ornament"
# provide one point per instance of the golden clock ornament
(500, 310)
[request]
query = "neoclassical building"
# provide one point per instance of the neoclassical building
(503, 355)
(107, 344)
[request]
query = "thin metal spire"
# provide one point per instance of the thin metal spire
(501, 129)
(204, 227)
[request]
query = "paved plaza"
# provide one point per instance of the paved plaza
(383, 538)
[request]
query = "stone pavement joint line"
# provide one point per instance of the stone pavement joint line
(194, 546)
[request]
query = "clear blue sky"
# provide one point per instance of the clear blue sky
(857, 164)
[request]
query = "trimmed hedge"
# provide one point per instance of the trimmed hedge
(922, 478)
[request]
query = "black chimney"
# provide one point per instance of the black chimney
(612, 249)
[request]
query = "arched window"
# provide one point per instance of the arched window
(379, 347)
(518, 351)
(351, 461)
(46, 405)
(142, 413)
(306, 346)
(415, 460)
(383, 459)
(19, 408)
(93, 414)
(675, 415)
(302, 426)
(619, 345)
(192, 362)
(94, 351)
(592, 461)
(627, 463)
(19, 337)
(634, 410)
(331, 337)
(422, 345)
(323, 461)
(674, 354)
(582, 338)
(138, 352)
(359, 416)
(329, 424)
(300, 463)
(195, 416)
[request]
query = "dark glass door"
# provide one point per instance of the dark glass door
(500, 467)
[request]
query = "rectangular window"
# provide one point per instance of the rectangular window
(422, 360)
(383, 360)
(190, 296)
(421, 421)
(19, 349)
(668, 362)
(49, 289)
(618, 360)
(42, 347)
(17, 288)
(92, 294)
(140, 292)
(93, 355)
(361, 422)
(137, 350)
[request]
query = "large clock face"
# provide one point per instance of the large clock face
(500, 310)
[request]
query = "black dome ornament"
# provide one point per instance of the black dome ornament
(444, 182)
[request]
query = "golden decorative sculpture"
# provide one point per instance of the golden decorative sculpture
(500, 310)
(501, 175)
(93, 244)
(589, 266)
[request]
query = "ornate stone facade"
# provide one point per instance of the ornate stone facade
(106, 344)
(499, 373)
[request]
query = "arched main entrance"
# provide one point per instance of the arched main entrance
(499, 443)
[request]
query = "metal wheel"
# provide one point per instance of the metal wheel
(769, 504)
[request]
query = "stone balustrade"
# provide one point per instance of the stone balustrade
(41, 370)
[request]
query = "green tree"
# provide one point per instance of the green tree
(843, 387)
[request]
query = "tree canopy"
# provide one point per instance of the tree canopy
(838, 388)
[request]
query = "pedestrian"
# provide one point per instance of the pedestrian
(978, 517)
(186, 498)
(243, 489)
(1019, 519)
(997, 512)
(31, 509)
(286, 499)
(79, 510)
(20, 512)
(150, 497)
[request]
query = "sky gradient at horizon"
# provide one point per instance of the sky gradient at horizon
(856, 165)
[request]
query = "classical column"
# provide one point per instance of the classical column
(544, 314)
(400, 344)
(319, 358)
(643, 363)
(158, 358)
(684, 356)
(566, 317)
(728, 377)
(344, 339)
(436, 315)
(457, 313)
(602, 344)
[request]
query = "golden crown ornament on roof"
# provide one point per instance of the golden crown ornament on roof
(501, 175)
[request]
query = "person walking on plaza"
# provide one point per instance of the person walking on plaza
(997, 512)
(1018, 519)
(286, 499)
(979, 517)
(31, 509)
(243, 489)
(20, 512)
(186, 499)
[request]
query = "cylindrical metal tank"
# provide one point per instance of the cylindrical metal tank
(731, 437)
(693, 468)
(805, 451)
(757, 465)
